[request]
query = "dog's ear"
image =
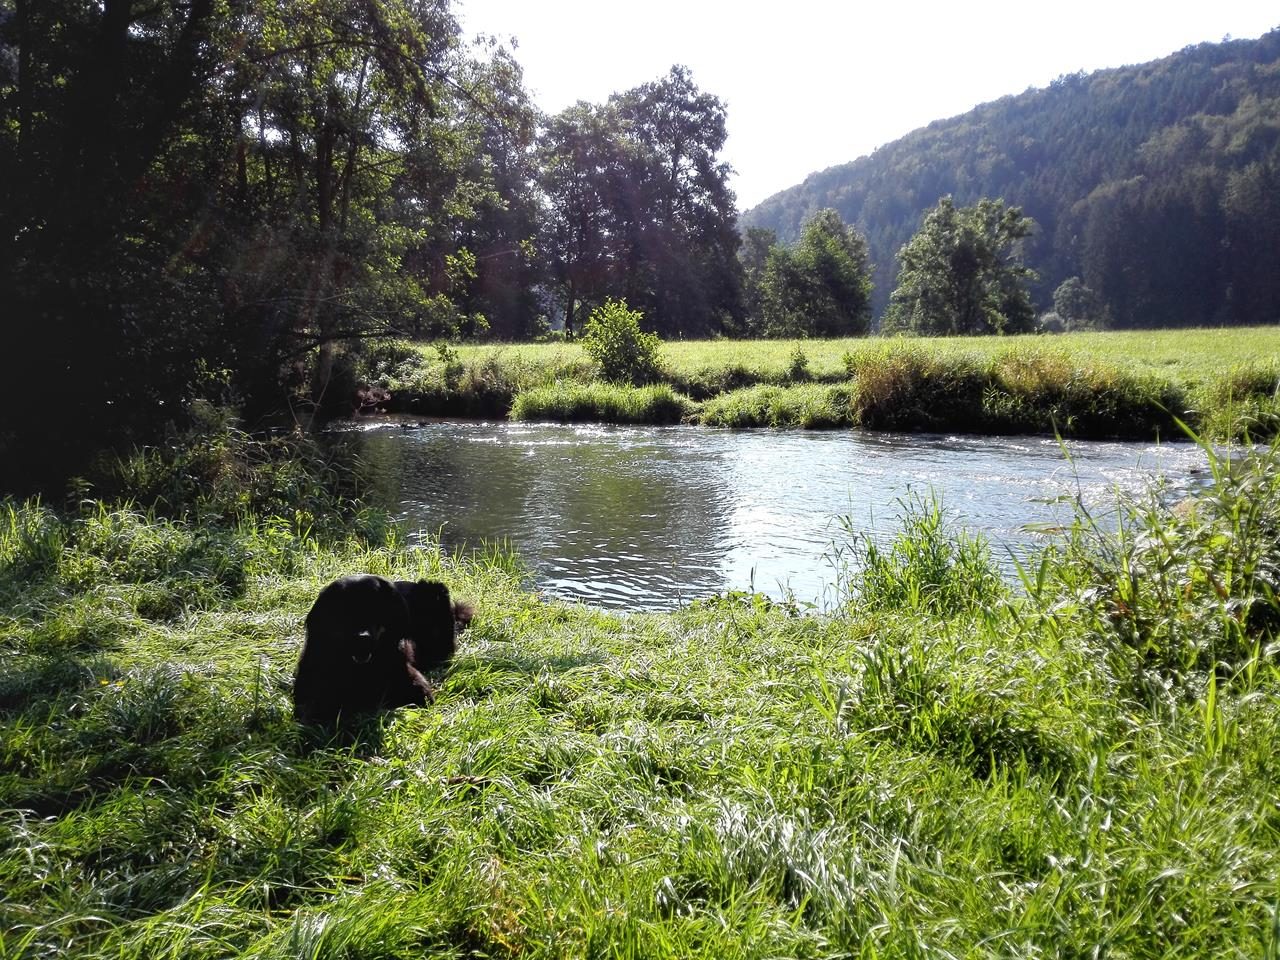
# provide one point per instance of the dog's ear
(321, 633)
(326, 601)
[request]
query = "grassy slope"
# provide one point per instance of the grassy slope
(944, 769)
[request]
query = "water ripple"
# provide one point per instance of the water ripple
(648, 518)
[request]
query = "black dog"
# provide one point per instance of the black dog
(368, 641)
(434, 621)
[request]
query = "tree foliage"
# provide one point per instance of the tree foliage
(227, 194)
(232, 196)
(580, 154)
(818, 288)
(821, 288)
(832, 262)
(961, 273)
(612, 337)
(638, 207)
(1078, 306)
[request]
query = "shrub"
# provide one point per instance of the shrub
(388, 362)
(613, 338)
(1050, 323)
(798, 365)
(601, 403)
(450, 363)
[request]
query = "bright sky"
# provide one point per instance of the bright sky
(814, 83)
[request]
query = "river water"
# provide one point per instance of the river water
(653, 517)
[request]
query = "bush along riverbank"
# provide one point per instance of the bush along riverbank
(1078, 387)
(1081, 764)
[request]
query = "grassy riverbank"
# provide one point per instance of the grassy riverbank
(1083, 766)
(1127, 384)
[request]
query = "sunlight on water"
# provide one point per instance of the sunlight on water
(653, 517)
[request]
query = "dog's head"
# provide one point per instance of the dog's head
(435, 617)
(356, 618)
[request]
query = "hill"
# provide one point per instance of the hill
(1158, 184)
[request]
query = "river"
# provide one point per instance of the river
(652, 517)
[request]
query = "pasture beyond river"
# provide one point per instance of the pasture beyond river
(649, 518)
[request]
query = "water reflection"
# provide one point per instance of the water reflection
(648, 518)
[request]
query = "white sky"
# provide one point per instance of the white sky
(810, 84)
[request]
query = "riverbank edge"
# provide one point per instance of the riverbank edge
(893, 386)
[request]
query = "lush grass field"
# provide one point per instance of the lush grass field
(1190, 356)
(1088, 765)
(1221, 381)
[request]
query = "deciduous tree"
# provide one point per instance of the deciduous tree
(638, 207)
(241, 186)
(580, 154)
(1078, 305)
(962, 273)
(822, 288)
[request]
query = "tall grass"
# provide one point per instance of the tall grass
(809, 406)
(902, 386)
(931, 566)
(946, 767)
(601, 402)
(1242, 401)
(1116, 384)
(1182, 593)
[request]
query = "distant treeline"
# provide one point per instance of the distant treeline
(1158, 185)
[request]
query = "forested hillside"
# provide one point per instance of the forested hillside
(1158, 185)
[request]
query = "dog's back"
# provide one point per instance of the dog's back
(351, 658)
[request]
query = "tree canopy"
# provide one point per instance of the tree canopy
(820, 288)
(223, 194)
(228, 197)
(639, 208)
(961, 273)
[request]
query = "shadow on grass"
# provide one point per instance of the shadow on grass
(40, 680)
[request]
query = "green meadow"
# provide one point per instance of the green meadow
(1134, 384)
(1192, 356)
(1083, 764)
